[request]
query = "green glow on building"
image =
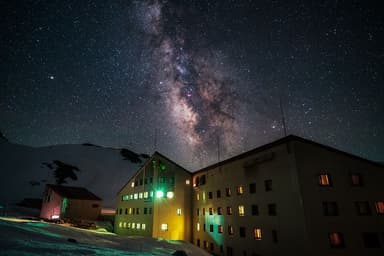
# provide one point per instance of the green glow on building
(64, 205)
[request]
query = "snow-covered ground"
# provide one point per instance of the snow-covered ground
(25, 237)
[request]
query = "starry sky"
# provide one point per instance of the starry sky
(192, 79)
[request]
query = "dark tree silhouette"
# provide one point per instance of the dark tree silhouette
(130, 155)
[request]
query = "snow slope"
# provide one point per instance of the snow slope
(22, 237)
(102, 170)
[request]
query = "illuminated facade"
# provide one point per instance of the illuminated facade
(292, 196)
(156, 201)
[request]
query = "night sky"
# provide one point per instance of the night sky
(189, 77)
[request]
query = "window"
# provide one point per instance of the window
(379, 208)
(268, 185)
(120, 211)
(187, 182)
(362, 208)
(125, 198)
(211, 246)
(229, 210)
(219, 211)
(145, 181)
(240, 190)
(141, 195)
(178, 211)
(202, 180)
(371, 240)
(145, 195)
(211, 228)
(126, 210)
(129, 225)
(255, 210)
(150, 210)
(164, 227)
(133, 225)
(325, 179)
(242, 231)
(133, 184)
(141, 181)
(257, 233)
(197, 196)
(210, 211)
(210, 195)
(356, 180)
(204, 196)
(252, 188)
(336, 240)
(274, 236)
(229, 251)
(230, 230)
(138, 225)
(218, 193)
(135, 196)
(203, 211)
(205, 244)
(137, 210)
(130, 210)
(330, 209)
(145, 210)
(198, 226)
(241, 210)
(228, 192)
(197, 212)
(143, 226)
(220, 228)
(272, 210)
(198, 242)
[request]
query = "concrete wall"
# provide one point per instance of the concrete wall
(82, 209)
(51, 205)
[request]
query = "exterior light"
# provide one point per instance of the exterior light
(159, 194)
(170, 194)
(55, 217)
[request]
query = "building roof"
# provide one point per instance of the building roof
(74, 192)
(283, 141)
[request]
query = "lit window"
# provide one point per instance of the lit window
(178, 211)
(379, 207)
(133, 226)
(159, 194)
(229, 210)
(131, 196)
(170, 194)
(220, 229)
(151, 194)
(230, 230)
(257, 233)
(324, 179)
(164, 227)
(240, 190)
(120, 224)
(125, 198)
(133, 184)
(203, 195)
(228, 192)
(268, 185)
(135, 196)
(330, 209)
(336, 240)
(125, 225)
(197, 196)
(140, 195)
(363, 208)
(356, 180)
(210, 211)
(198, 226)
(145, 195)
(241, 210)
(187, 182)
(129, 225)
(143, 226)
(219, 211)
(138, 225)
(130, 210)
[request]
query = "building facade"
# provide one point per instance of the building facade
(292, 196)
(156, 201)
(75, 203)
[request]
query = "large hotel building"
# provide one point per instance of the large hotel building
(290, 197)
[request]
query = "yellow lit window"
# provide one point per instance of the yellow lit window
(379, 207)
(198, 226)
(203, 195)
(164, 227)
(336, 239)
(133, 225)
(170, 194)
(135, 196)
(130, 210)
(240, 190)
(138, 225)
(129, 225)
(140, 195)
(133, 184)
(143, 226)
(241, 210)
(324, 179)
(131, 196)
(257, 233)
(145, 194)
(125, 225)
(178, 211)
(187, 182)
(120, 224)
(197, 196)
